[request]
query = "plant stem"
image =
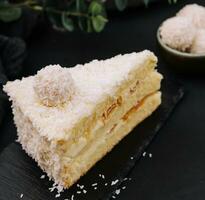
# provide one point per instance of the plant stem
(36, 7)
(76, 14)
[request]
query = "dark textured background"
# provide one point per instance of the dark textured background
(176, 170)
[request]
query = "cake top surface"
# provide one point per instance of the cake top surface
(91, 82)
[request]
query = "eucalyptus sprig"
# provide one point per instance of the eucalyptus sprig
(88, 15)
(64, 15)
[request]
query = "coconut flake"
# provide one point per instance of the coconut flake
(115, 182)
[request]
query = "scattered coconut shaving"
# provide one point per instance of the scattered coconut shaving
(59, 188)
(94, 185)
(57, 195)
(115, 182)
(117, 192)
(42, 176)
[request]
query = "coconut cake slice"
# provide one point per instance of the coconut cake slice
(67, 119)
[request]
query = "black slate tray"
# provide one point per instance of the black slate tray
(19, 174)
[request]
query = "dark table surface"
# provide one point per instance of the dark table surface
(176, 169)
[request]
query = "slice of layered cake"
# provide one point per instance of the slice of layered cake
(67, 119)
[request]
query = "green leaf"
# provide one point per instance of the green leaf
(55, 20)
(81, 7)
(146, 2)
(172, 1)
(82, 23)
(96, 8)
(9, 13)
(67, 22)
(121, 4)
(98, 22)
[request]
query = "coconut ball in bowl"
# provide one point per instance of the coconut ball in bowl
(181, 40)
(178, 33)
(195, 13)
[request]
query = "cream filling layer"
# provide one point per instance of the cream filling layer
(105, 140)
(133, 93)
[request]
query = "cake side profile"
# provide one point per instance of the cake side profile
(67, 119)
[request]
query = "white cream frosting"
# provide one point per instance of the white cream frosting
(94, 81)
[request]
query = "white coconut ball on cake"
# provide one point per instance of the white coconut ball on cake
(178, 33)
(198, 45)
(54, 85)
(195, 13)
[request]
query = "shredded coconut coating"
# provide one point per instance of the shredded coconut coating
(54, 85)
(178, 33)
(195, 13)
(198, 45)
